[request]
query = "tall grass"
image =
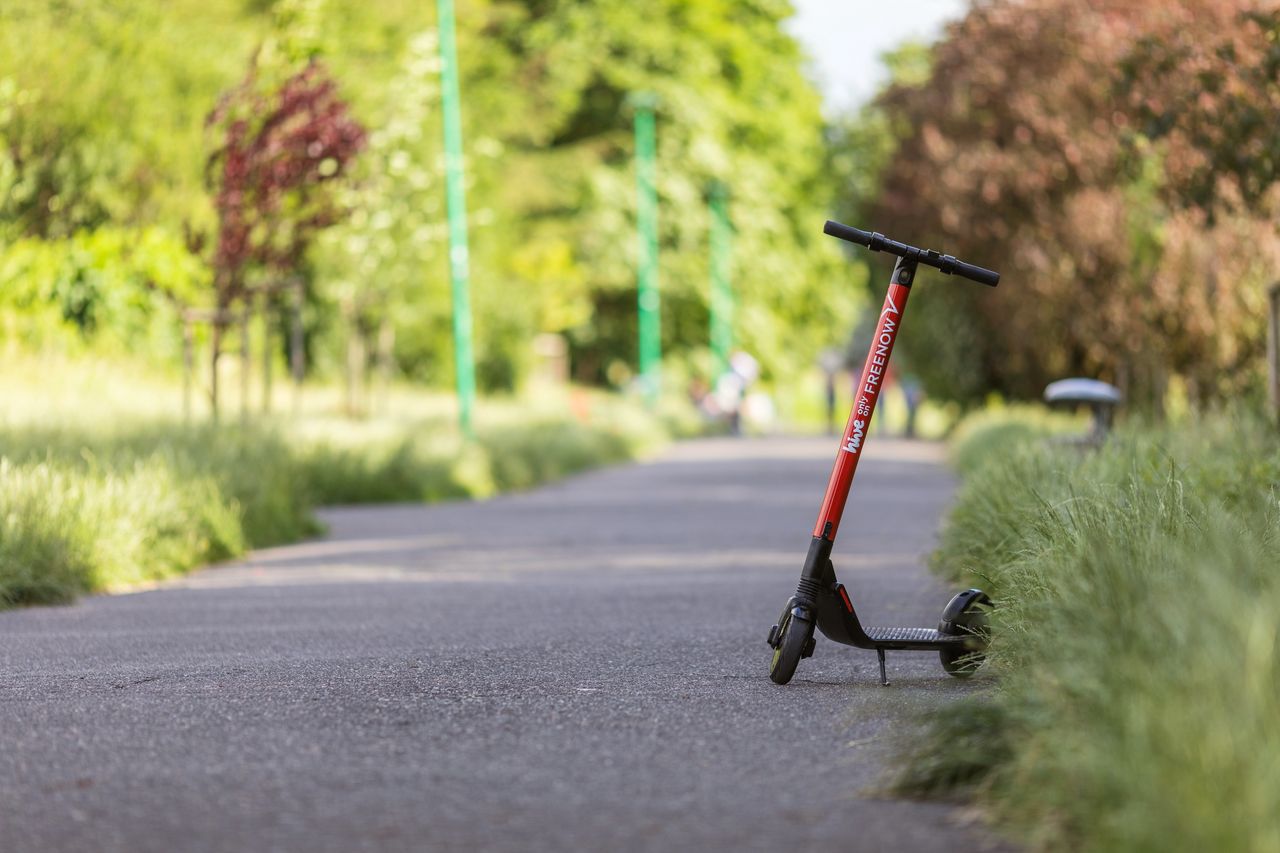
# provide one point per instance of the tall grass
(65, 531)
(1137, 641)
(999, 429)
(96, 493)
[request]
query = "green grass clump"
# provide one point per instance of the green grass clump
(1137, 640)
(255, 472)
(119, 500)
(431, 468)
(106, 508)
(1002, 429)
(65, 530)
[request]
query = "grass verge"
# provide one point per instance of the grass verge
(1137, 640)
(107, 501)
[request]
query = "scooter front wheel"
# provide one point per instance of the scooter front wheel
(794, 639)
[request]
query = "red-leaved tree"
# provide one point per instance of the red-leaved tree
(280, 151)
(1115, 160)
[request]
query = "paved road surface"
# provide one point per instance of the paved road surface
(578, 668)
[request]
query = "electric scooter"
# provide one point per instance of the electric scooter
(823, 602)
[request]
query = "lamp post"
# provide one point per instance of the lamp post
(650, 319)
(721, 304)
(456, 197)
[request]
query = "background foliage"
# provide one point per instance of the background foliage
(1115, 161)
(102, 112)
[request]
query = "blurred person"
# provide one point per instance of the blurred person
(702, 399)
(855, 352)
(830, 361)
(913, 395)
(731, 388)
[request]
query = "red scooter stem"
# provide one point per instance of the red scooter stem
(870, 387)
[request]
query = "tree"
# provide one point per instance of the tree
(1212, 102)
(101, 108)
(379, 262)
(103, 105)
(280, 153)
(1032, 148)
(732, 106)
(1204, 92)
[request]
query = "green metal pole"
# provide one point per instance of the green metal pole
(456, 196)
(721, 287)
(650, 330)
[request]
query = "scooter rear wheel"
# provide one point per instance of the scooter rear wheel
(793, 640)
(961, 663)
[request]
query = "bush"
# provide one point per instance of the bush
(1136, 640)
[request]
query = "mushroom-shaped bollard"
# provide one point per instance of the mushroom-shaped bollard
(1101, 398)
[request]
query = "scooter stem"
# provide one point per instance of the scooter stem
(870, 386)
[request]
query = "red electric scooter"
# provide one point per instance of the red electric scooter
(821, 601)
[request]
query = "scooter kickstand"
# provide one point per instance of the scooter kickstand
(884, 680)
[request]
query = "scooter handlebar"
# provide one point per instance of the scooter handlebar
(877, 242)
(847, 232)
(981, 275)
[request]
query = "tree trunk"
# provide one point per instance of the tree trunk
(245, 314)
(355, 360)
(296, 353)
(267, 352)
(214, 355)
(386, 358)
(188, 368)
(348, 380)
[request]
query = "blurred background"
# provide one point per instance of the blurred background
(259, 256)
(268, 179)
(293, 219)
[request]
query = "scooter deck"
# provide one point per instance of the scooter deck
(839, 623)
(911, 638)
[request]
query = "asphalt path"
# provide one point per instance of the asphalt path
(582, 667)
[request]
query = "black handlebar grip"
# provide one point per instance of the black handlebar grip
(845, 232)
(877, 242)
(974, 273)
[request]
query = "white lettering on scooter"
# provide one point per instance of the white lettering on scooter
(854, 441)
(879, 359)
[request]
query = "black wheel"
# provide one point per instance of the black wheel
(795, 641)
(961, 662)
(965, 615)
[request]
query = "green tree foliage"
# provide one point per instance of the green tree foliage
(733, 106)
(1117, 165)
(383, 262)
(116, 287)
(101, 166)
(101, 111)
